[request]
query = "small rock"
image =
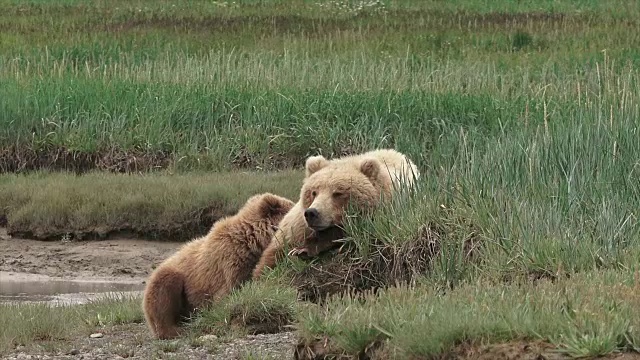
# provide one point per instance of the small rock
(96, 335)
(209, 337)
(73, 352)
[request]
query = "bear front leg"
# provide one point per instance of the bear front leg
(271, 255)
(292, 230)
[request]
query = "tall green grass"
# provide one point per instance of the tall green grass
(560, 194)
(196, 81)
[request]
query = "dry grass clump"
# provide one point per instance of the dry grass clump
(346, 271)
(379, 250)
(19, 159)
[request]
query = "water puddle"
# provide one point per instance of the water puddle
(26, 288)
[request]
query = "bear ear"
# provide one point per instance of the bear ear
(274, 205)
(370, 168)
(315, 163)
(252, 200)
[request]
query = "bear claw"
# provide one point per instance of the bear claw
(298, 251)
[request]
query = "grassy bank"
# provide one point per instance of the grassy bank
(157, 206)
(129, 87)
(134, 86)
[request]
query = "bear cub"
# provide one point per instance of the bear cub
(210, 267)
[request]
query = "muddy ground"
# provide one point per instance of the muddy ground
(120, 260)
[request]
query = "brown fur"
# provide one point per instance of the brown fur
(328, 187)
(210, 267)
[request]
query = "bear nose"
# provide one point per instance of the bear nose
(310, 214)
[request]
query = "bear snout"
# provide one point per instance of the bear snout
(311, 214)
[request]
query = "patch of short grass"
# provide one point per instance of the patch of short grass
(112, 309)
(25, 324)
(588, 314)
(162, 206)
(168, 346)
(195, 340)
(255, 308)
(255, 355)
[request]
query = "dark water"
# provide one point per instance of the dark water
(23, 289)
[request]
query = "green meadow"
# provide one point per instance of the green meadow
(523, 117)
(261, 84)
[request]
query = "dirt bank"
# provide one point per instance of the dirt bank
(119, 259)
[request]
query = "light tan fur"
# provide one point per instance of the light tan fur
(364, 179)
(210, 267)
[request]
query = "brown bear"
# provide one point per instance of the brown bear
(210, 267)
(329, 185)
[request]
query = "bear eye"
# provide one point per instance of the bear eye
(338, 194)
(313, 193)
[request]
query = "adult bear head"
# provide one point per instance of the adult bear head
(330, 186)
